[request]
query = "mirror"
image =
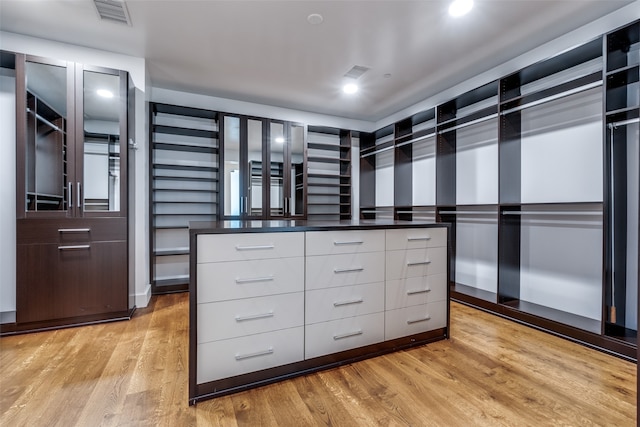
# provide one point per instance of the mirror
(277, 143)
(232, 166)
(255, 133)
(101, 126)
(297, 170)
(46, 139)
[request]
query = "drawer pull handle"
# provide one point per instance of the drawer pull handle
(347, 270)
(355, 242)
(418, 291)
(73, 247)
(255, 279)
(414, 263)
(416, 239)
(422, 319)
(254, 316)
(74, 230)
(251, 248)
(353, 301)
(347, 335)
(256, 354)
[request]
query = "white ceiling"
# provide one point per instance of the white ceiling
(266, 52)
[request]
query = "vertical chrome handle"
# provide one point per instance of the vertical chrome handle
(70, 194)
(246, 204)
(79, 194)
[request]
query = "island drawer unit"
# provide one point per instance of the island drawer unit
(271, 300)
(416, 281)
(344, 288)
(250, 312)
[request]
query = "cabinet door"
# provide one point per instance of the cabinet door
(44, 135)
(58, 281)
(101, 142)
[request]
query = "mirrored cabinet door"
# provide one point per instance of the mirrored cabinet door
(101, 121)
(254, 168)
(232, 190)
(277, 196)
(296, 160)
(44, 156)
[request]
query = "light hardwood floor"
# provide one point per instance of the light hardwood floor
(492, 372)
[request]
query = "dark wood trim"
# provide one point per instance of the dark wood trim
(200, 392)
(21, 135)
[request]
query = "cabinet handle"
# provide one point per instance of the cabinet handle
(259, 353)
(422, 319)
(70, 194)
(418, 291)
(250, 248)
(411, 264)
(74, 247)
(79, 194)
(353, 301)
(255, 316)
(414, 239)
(355, 242)
(74, 230)
(347, 335)
(347, 270)
(255, 279)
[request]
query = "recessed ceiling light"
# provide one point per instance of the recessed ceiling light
(279, 139)
(460, 7)
(350, 88)
(315, 19)
(105, 93)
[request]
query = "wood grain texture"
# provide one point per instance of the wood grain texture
(492, 372)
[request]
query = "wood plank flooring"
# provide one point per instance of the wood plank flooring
(492, 372)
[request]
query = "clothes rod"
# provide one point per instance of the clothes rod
(417, 212)
(377, 151)
(468, 212)
(472, 122)
(422, 138)
(45, 121)
(623, 123)
(553, 97)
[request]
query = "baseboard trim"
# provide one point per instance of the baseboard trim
(142, 299)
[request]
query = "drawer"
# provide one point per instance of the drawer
(416, 262)
(322, 305)
(249, 246)
(416, 238)
(344, 242)
(415, 319)
(237, 318)
(327, 271)
(418, 290)
(245, 279)
(343, 334)
(227, 358)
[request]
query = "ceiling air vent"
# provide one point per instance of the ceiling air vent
(356, 71)
(113, 10)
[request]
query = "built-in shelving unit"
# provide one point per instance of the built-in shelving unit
(538, 174)
(328, 173)
(184, 187)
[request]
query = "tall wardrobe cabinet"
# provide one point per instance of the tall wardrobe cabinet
(71, 195)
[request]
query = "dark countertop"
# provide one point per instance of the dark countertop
(257, 226)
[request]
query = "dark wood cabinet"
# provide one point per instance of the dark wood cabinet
(71, 166)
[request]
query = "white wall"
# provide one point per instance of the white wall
(137, 70)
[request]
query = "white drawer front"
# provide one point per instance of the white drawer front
(341, 270)
(344, 301)
(415, 319)
(249, 246)
(227, 358)
(344, 242)
(416, 262)
(237, 318)
(343, 334)
(245, 279)
(416, 238)
(415, 291)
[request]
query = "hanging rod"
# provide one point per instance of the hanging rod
(431, 135)
(45, 121)
(377, 151)
(469, 212)
(472, 122)
(553, 97)
(623, 123)
(417, 212)
(551, 213)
